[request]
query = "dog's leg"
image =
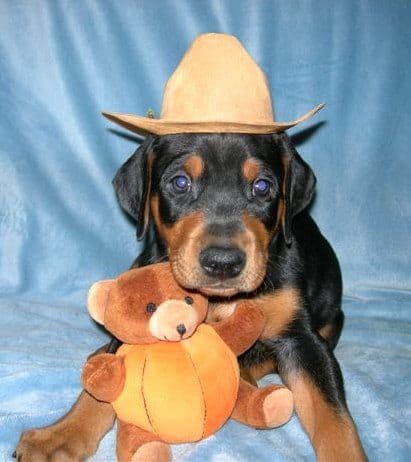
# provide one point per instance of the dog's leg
(308, 367)
(74, 437)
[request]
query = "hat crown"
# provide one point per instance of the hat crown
(216, 88)
(217, 80)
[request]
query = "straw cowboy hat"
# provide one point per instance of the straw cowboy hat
(217, 87)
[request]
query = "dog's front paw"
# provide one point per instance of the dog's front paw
(49, 445)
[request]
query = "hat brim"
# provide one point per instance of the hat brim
(145, 125)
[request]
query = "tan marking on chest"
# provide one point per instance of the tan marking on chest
(280, 308)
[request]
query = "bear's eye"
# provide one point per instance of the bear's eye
(150, 308)
(189, 300)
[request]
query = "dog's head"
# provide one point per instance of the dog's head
(216, 202)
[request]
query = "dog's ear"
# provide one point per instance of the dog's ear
(132, 184)
(298, 185)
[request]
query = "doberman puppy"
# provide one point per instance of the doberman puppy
(229, 212)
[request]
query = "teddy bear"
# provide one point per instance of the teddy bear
(175, 378)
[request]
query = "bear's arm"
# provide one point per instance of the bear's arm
(103, 376)
(241, 330)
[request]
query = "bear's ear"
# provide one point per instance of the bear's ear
(97, 299)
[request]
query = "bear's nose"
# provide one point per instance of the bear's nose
(181, 329)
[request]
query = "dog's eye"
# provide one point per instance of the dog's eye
(189, 300)
(261, 187)
(150, 308)
(181, 183)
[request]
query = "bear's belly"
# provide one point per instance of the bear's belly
(181, 391)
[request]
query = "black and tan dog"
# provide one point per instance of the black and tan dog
(219, 190)
(228, 210)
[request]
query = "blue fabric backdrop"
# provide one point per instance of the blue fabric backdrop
(61, 62)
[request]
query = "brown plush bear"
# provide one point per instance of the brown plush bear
(175, 378)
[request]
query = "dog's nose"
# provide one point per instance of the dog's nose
(222, 262)
(181, 329)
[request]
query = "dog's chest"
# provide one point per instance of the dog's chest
(280, 309)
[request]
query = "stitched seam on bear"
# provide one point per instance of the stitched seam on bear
(202, 392)
(144, 398)
(234, 370)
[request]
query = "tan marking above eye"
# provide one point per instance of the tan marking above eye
(194, 166)
(251, 169)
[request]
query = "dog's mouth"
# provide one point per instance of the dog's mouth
(223, 279)
(219, 290)
(216, 287)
